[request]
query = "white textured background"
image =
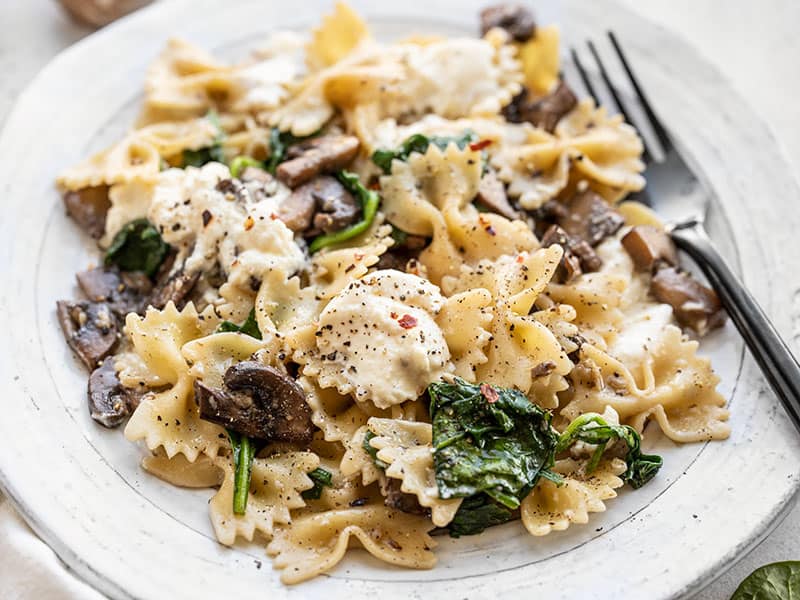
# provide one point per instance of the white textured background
(754, 44)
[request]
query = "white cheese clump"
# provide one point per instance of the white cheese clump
(238, 231)
(379, 340)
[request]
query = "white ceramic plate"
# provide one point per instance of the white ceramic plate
(130, 535)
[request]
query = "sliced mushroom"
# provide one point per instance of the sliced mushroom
(173, 288)
(648, 246)
(90, 329)
(403, 253)
(544, 112)
(125, 292)
(694, 305)
(396, 498)
(89, 207)
(256, 174)
(323, 202)
(336, 207)
(258, 401)
(492, 194)
(516, 19)
(589, 217)
(579, 257)
(110, 403)
(319, 155)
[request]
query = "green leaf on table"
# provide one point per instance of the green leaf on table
(776, 581)
(137, 247)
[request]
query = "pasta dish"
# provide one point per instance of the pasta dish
(373, 293)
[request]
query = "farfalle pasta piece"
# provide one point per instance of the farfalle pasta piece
(541, 60)
(212, 355)
(170, 419)
(383, 323)
(332, 269)
(661, 377)
(587, 142)
(550, 507)
(275, 490)
(202, 473)
(138, 156)
(315, 543)
(339, 33)
(519, 341)
(464, 319)
(406, 447)
(431, 195)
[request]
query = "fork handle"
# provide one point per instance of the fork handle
(777, 363)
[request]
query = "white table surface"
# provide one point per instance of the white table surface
(757, 49)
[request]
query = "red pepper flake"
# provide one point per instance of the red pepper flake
(274, 217)
(407, 322)
(520, 258)
(207, 216)
(248, 223)
(358, 256)
(487, 226)
(489, 393)
(375, 186)
(393, 314)
(480, 145)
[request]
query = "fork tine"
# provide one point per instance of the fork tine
(584, 76)
(660, 130)
(620, 105)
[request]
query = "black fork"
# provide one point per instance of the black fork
(676, 194)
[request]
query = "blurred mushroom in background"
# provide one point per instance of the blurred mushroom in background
(101, 12)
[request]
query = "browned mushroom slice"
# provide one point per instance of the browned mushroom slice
(88, 207)
(255, 174)
(648, 245)
(399, 500)
(173, 288)
(492, 195)
(579, 257)
(90, 329)
(125, 292)
(694, 305)
(297, 210)
(336, 207)
(403, 253)
(590, 218)
(544, 112)
(319, 155)
(110, 403)
(516, 19)
(258, 401)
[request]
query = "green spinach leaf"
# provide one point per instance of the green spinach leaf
(369, 201)
(419, 143)
(212, 153)
(477, 513)
(373, 452)
(240, 163)
(137, 247)
(321, 478)
(249, 327)
(776, 581)
(490, 440)
(244, 451)
(594, 429)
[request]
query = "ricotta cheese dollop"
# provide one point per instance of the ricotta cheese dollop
(379, 340)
